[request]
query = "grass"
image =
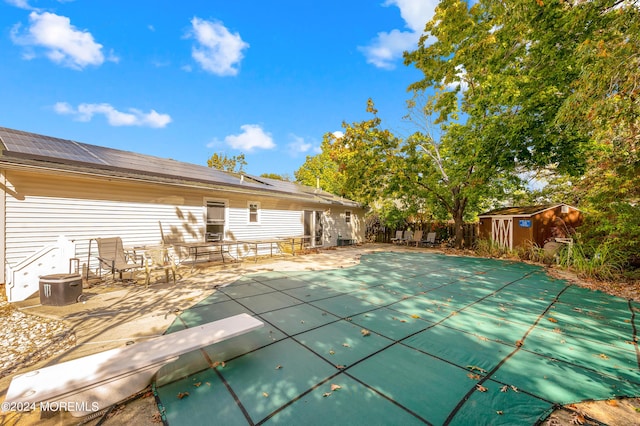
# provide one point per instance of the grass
(600, 262)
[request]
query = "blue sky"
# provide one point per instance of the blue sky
(187, 79)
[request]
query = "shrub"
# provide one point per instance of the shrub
(489, 248)
(601, 261)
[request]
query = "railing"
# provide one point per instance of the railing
(23, 278)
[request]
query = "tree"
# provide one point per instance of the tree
(321, 170)
(501, 69)
(539, 85)
(367, 158)
(276, 176)
(447, 176)
(605, 99)
(234, 164)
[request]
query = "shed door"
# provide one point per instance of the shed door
(502, 231)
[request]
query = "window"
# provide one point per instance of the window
(215, 220)
(347, 216)
(254, 212)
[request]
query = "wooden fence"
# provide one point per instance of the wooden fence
(445, 232)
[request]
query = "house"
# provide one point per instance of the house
(516, 226)
(58, 195)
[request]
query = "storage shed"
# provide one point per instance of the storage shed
(58, 195)
(515, 226)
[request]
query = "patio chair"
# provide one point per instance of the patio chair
(398, 238)
(159, 259)
(416, 239)
(406, 237)
(430, 240)
(114, 258)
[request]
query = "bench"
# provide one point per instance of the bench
(95, 382)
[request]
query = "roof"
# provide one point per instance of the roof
(30, 149)
(522, 211)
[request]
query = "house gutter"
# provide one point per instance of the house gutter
(241, 188)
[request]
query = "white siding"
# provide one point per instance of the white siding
(336, 225)
(36, 222)
(42, 207)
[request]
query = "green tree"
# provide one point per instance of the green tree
(233, 164)
(446, 175)
(367, 158)
(283, 177)
(541, 85)
(320, 170)
(501, 69)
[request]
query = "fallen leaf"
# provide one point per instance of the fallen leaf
(278, 367)
(331, 352)
(415, 316)
(552, 319)
(500, 412)
(219, 364)
(365, 332)
(481, 388)
(612, 402)
(335, 387)
(504, 388)
(515, 389)
(603, 356)
(183, 395)
(326, 394)
(473, 376)
(346, 345)
(474, 368)
(519, 343)
(341, 367)
(198, 384)
(266, 395)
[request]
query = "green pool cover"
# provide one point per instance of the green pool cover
(404, 338)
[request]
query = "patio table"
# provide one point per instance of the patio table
(273, 243)
(204, 248)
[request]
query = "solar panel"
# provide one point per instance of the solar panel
(62, 150)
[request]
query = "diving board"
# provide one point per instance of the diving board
(95, 382)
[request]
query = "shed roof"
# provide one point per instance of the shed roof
(526, 211)
(30, 149)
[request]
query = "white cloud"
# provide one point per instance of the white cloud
(252, 137)
(298, 146)
(63, 43)
(338, 134)
(218, 51)
(416, 13)
(387, 48)
(22, 4)
(132, 117)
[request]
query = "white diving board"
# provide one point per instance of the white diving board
(95, 382)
